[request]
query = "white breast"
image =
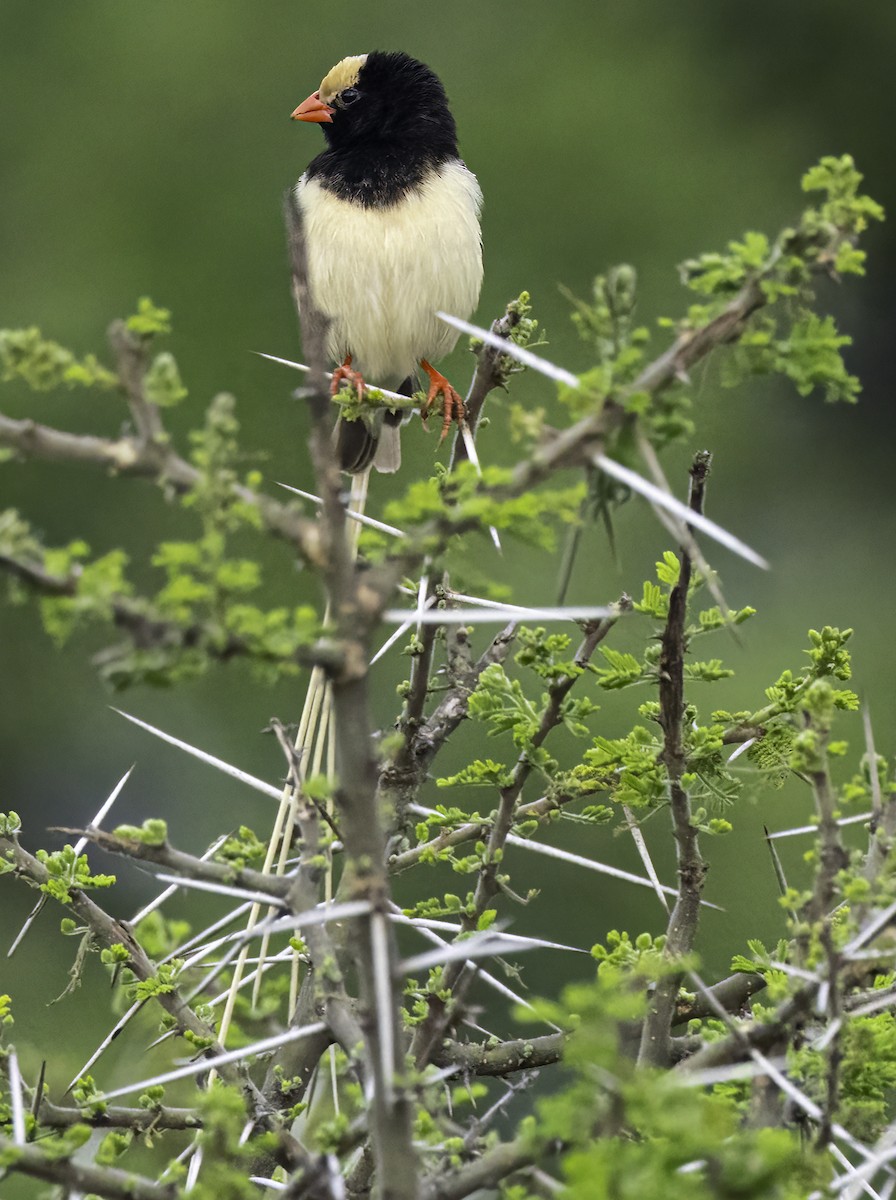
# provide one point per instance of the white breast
(381, 274)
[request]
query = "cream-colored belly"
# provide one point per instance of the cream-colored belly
(381, 274)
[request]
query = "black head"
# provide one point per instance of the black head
(384, 100)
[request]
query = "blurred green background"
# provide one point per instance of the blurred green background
(144, 149)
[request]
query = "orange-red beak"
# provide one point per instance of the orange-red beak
(313, 109)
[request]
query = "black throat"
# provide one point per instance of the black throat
(374, 176)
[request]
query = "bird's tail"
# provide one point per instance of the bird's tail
(358, 445)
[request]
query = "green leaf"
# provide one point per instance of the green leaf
(479, 773)
(44, 365)
(622, 669)
(162, 383)
(149, 320)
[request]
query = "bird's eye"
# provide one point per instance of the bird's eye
(349, 96)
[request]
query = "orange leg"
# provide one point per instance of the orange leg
(355, 378)
(452, 401)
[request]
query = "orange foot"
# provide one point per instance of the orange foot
(355, 378)
(452, 402)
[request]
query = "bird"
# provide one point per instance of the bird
(391, 224)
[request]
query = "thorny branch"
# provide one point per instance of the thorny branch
(488, 376)
(357, 602)
(130, 353)
(146, 628)
(158, 462)
(503, 1058)
(402, 777)
(364, 876)
(418, 689)
(477, 831)
(571, 447)
(497, 1164)
(551, 717)
(110, 932)
(682, 927)
(165, 855)
(832, 853)
(140, 1120)
(457, 975)
(83, 1178)
(332, 1000)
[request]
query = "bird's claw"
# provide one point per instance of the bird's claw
(345, 373)
(453, 408)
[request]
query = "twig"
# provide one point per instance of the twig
(429, 1032)
(736, 1046)
(731, 994)
(188, 865)
(109, 932)
(76, 1176)
(682, 927)
(486, 378)
(421, 667)
(478, 1126)
(130, 353)
(835, 1047)
(146, 628)
(495, 1165)
(141, 1120)
(551, 717)
(329, 985)
(402, 777)
(503, 1058)
(832, 857)
(132, 456)
(479, 830)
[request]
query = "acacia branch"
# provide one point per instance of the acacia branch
(110, 932)
(577, 445)
(429, 1032)
(681, 930)
(523, 1054)
(81, 1177)
(139, 1120)
(551, 717)
(364, 877)
(503, 1058)
(454, 705)
(730, 994)
(157, 462)
(188, 865)
(735, 1047)
(832, 855)
(332, 999)
(490, 373)
(131, 359)
(147, 629)
(292, 1068)
(494, 1166)
(402, 778)
(298, 893)
(411, 718)
(477, 831)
